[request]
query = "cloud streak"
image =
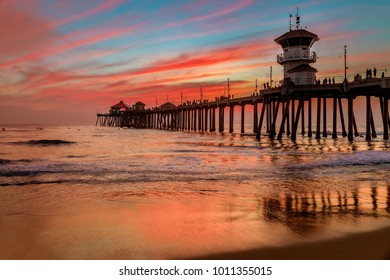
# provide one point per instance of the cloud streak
(100, 8)
(58, 56)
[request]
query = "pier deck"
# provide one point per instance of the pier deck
(282, 111)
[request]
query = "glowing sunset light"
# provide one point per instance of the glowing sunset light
(69, 57)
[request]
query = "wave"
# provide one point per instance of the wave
(8, 161)
(33, 182)
(73, 156)
(45, 142)
(363, 158)
(5, 161)
(38, 178)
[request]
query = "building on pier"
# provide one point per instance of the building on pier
(119, 107)
(297, 56)
(167, 106)
(139, 106)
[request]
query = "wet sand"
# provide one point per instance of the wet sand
(374, 245)
(114, 233)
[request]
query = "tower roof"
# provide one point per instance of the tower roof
(299, 37)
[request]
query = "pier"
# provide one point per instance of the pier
(284, 110)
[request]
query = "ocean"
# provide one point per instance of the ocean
(112, 193)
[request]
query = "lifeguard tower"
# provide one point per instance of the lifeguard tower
(297, 56)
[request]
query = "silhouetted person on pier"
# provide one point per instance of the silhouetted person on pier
(325, 81)
(370, 73)
(374, 72)
(333, 81)
(383, 74)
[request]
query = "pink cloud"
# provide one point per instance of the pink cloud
(239, 52)
(54, 50)
(22, 30)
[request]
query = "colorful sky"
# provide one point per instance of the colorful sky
(62, 61)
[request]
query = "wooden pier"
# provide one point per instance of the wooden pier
(283, 110)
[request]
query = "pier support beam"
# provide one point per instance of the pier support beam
(189, 119)
(195, 117)
(255, 117)
(221, 119)
(303, 118)
(344, 132)
(212, 119)
(200, 111)
(231, 118)
(373, 131)
(309, 131)
(334, 132)
(288, 131)
(274, 118)
(350, 119)
(284, 119)
(355, 126)
(318, 128)
(296, 121)
(268, 104)
(243, 118)
(206, 115)
(386, 118)
(263, 107)
(368, 117)
(292, 112)
(325, 132)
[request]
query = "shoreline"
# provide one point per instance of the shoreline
(372, 245)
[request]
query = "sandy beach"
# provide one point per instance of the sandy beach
(197, 196)
(115, 232)
(373, 245)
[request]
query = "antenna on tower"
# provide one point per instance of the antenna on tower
(289, 22)
(181, 97)
(298, 20)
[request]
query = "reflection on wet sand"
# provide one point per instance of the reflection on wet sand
(188, 225)
(388, 199)
(305, 213)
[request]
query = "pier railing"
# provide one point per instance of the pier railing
(284, 109)
(297, 55)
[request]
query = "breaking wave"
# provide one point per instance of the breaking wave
(45, 142)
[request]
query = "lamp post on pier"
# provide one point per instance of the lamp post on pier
(345, 63)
